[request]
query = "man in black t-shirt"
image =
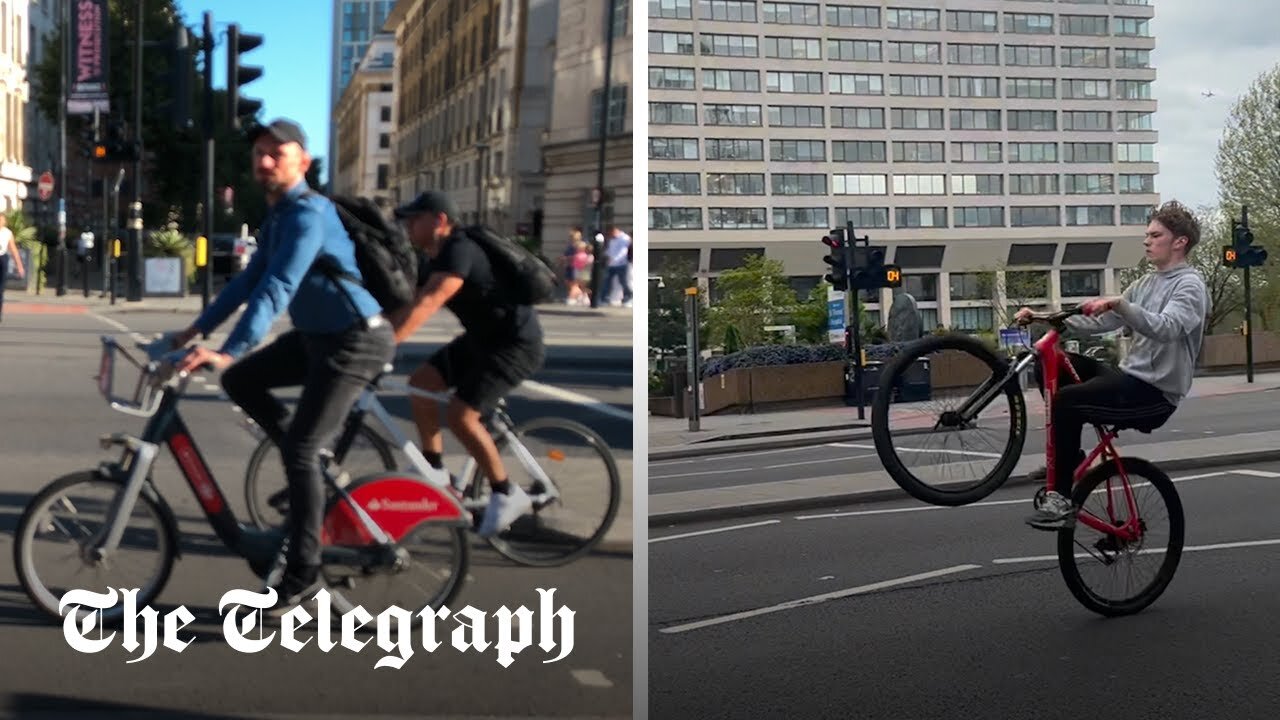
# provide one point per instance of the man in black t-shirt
(501, 346)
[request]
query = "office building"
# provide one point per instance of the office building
(355, 23)
(365, 117)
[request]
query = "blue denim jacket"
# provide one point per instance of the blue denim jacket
(297, 231)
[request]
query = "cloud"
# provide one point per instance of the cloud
(1220, 46)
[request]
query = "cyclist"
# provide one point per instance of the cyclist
(1165, 313)
(338, 344)
(500, 347)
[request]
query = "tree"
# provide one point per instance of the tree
(752, 297)
(1248, 170)
(1020, 288)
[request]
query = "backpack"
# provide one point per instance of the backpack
(387, 260)
(524, 277)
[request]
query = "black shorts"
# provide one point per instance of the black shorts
(483, 374)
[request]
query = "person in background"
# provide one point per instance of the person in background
(8, 249)
(618, 254)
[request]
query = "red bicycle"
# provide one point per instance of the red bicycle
(1109, 497)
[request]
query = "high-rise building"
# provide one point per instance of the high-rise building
(1001, 151)
(355, 22)
(366, 121)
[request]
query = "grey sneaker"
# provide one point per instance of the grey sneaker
(1055, 513)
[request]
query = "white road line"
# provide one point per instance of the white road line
(693, 474)
(1187, 548)
(110, 321)
(719, 458)
(815, 462)
(591, 678)
(715, 530)
(1258, 473)
(917, 450)
(817, 599)
(212, 388)
(578, 399)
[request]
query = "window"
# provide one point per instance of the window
(1033, 120)
(1086, 89)
(1133, 58)
(732, 80)
(1137, 184)
(670, 43)
(792, 13)
(922, 286)
(383, 173)
(1037, 88)
(1086, 57)
(1086, 152)
(1085, 120)
(853, 16)
(384, 140)
(988, 87)
(978, 217)
(1135, 152)
(858, 185)
(914, 119)
(793, 82)
(904, 19)
(1033, 185)
(975, 152)
(1028, 55)
(1028, 24)
(975, 119)
(617, 110)
(857, 151)
(795, 116)
(674, 184)
(386, 113)
(964, 54)
(671, 78)
(724, 149)
(971, 285)
(800, 218)
(856, 50)
(1133, 121)
(1081, 283)
(977, 185)
(739, 115)
(621, 16)
(1133, 89)
(919, 185)
(797, 151)
(1082, 24)
(729, 45)
(860, 118)
(1033, 152)
(735, 183)
(727, 10)
(909, 52)
(969, 21)
(673, 149)
(916, 85)
(1034, 216)
(794, 184)
(1091, 215)
(671, 9)
(664, 113)
(1087, 184)
(917, 151)
(928, 217)
(1131, 27)
(753, 218)
(854, 84)
(972, 319)
(689, 218)
(1134, 214)
(863, 217)
(793, 48)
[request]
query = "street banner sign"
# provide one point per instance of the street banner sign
(89, 58)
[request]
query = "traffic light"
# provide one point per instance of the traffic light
(240, 75)
(179, 102)
(1242, 252)
(876, 274)
(839, 275)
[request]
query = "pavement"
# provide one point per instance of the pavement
(742, 465)
(905, 610)
(51, 421)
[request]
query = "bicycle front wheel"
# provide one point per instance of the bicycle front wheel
(585, 485)
(55, 547)
(1114, 577)
(922, 432)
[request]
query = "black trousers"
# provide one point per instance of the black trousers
(4, 278)
(333, 370)
(1104, 396)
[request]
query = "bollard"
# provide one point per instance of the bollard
(202, 262)
(115, 268)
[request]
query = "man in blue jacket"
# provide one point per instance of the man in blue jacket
(338, 344)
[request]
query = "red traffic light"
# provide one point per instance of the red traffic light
(833, 242)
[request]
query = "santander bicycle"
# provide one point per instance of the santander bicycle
(388, 538)
(1128, 528)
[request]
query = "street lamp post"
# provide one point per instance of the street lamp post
(598, 192)
(61, 251)
(135, 219)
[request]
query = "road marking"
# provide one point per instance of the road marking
(578, 399)
(591, 678)
(715, 530)
(815, 462)
(1258, 473)
(817, 599)
(1187, 548)
(110, 321)
(918, 450)
(693, 474)
(719, 458)
(212, 388)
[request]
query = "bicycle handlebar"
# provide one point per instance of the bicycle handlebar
(1057, 320)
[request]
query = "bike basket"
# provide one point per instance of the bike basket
(109, 370)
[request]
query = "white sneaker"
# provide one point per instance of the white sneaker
(504, 510)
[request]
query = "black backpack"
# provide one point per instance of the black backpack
(524, 278)
(387, 260)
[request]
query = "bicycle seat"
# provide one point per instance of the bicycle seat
(1143, 425)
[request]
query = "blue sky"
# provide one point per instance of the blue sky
(295, 57)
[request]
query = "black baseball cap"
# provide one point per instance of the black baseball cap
(429, 201)
(286, 131)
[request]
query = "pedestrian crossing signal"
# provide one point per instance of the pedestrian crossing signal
(1229, 255)
(892, 276)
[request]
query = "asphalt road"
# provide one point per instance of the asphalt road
(989, 631)
(49, 426)
(1198, 417)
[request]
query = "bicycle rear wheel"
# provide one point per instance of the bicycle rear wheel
(568, 527)
(990, 443)
(1144, 567)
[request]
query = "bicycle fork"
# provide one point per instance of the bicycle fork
(142, 456)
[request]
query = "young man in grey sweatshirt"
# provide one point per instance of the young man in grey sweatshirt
(1165, 313)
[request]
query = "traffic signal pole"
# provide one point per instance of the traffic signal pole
(135, 209)
(206, 47)
(1248, 304)
(854, 352)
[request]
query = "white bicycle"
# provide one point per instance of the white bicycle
(540, 455)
